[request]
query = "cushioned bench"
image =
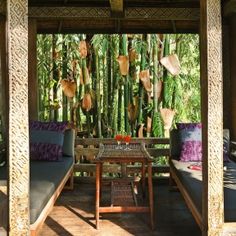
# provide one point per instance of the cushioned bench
(47, 179)
(189, 182)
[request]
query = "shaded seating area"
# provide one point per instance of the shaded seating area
(47, 180)
(20, 24)
(187, 176)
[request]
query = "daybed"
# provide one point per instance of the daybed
(189, 183)
(47, 179)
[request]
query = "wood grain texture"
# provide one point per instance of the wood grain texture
(17, 27)
(212, 116)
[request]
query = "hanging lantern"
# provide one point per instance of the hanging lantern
(123, 64)
(145, 78)
(171, 63)
(87, 102)
(83, 49)
(167, 116)
(68, 87)
(132, 55)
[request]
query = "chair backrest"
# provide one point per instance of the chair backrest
(69, 143)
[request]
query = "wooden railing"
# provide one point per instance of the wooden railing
(86, 150)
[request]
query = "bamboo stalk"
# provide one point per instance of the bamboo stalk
(126, 86)
(99, 127)
(64, 76)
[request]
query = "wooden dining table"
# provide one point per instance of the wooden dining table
(134, 153)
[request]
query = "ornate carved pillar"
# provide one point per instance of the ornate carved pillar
(212, 116)
(17, 29)
(33, 80)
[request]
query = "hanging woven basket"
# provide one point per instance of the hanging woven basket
(167, 116)
(87, 102)
(145, 78)
(68, 87)
(123, 64)
(171, 63)
(83, 49)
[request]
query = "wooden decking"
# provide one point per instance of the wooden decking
(73, 215)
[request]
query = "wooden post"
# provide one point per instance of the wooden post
(33, 81)
(212, 116)
(3, 78)
(233, 75)
(17, 30)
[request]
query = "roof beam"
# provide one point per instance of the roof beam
(230, 8)
(117, 8)
(186, 14)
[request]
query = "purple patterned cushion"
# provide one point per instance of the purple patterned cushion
(191, 141)
(50, 126)
(46, 140)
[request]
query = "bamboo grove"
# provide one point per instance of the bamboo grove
(108, 84)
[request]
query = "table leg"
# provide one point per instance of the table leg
(143, 178)
(150, 193)
(98, 183)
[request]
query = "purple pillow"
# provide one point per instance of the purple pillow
(46, 140)
(191, 141)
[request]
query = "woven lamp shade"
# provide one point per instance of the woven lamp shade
(132, 112)
(167, 116)
(68, 87)
(87, 102)
(83, 49)
(171, 63)
(123, 64)
(145, 78)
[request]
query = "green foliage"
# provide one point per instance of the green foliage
(181, 93)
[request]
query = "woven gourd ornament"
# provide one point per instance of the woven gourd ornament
(83, 49)
(123, 64)
(68, 87)
(145, 78)
(171, 63)
(167, 116)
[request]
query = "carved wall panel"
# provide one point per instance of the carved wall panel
(212, 116)
(17, 26)
(69, 12)
(163, 13)
(130, 13)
